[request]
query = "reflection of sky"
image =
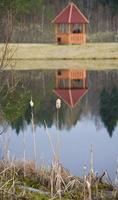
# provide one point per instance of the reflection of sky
(75, 147)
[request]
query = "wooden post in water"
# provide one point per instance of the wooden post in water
(24, 156)
(33, 131)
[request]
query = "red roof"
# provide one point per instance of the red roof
(70, 96)
(70, 15)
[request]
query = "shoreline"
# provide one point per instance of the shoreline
(23, 180)
(62, 64)
(87, 51)
(89, 56)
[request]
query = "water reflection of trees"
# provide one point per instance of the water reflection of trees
(100, 82)
(109, 109)
(40, 85)
(14, 106)
(100, 102)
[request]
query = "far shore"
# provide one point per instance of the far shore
(50, 56)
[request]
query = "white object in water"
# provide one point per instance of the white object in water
(31, 103)
(58, 103)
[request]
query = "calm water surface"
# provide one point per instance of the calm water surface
(88, 116)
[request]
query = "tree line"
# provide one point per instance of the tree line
(30, 20)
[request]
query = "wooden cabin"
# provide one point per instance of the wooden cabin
(70, 26)
(71, 86)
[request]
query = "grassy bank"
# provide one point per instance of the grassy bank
(52, 56)
(37, 184)
(64, 64)
(53, 51)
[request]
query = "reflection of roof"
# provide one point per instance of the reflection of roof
(70, 14)
(70, 96)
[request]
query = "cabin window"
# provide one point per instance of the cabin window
(77, 28)
(63, 28)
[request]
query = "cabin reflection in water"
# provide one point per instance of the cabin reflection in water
(71, 86)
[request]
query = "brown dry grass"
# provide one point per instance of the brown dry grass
(53, 51)
(14, 185)
(52, 56)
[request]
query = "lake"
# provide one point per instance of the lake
(87, 117)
